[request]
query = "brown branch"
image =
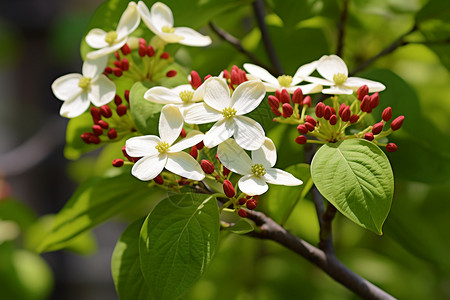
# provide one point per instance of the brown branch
(326, 261)
(327, 217)
(341, 29)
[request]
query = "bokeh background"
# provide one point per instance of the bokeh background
(39, 41)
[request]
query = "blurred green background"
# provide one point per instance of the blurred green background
(39, 41)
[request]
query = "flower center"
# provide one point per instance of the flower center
(228, 112)
(258, 170)
(285, 80)
(111, 37)
(186, 96)
(84, 82)
(167, 29)
(339, 78)
(162, 147)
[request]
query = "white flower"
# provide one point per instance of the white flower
(159, 153)
(335, 72)
(160, 21)
(79, 90)
(285, 81)
(228, 113)
(257, 171)
(110, 42)
(182, 96)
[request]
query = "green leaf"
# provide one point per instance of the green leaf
(178, 240)
(241, 227)
(281, 200)
(18, 212)
(145, 113)
(126, 267)
(434, 9)
(94, 202)
(356, 177)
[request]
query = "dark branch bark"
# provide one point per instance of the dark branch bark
(328, 262)
(258, 8)
(341, 29)
(325, 236)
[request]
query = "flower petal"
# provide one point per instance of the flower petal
(76, 106)
(249, 134)
(201, 113)
(311, 88)
(280, 177)
(162, 95)
(94, 67)
(96, 38)
(261, 73)
(129, 21)
(247, 96)
(170, 123)
(192, 37)
(161, 16)
(193, 138)
(181, 163)
(102, 90)
(142, 145)
(355, 83)
(253, 185)
(337, 90)
(105, 51)
(266, 155)
(217, 93)
(66, 87)
(270, 87)
(319, 80)
(149, 167)
(220, 132)
(305, 70)
(232, 156)
(330, 65)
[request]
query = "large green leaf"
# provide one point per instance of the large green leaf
(126, 266)
(356, 177)
(145, 113)
(95, 201)
(434, 9)
(178, 240)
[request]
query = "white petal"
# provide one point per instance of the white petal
(183, 164)
(253, 185)
(277, 176)
(149, 167)
(102, 90)
(355, 83)
(105, 51)
(193, 138)
(192, 37)
(161, 16)
(319, 80)
(220, 132)
(249, 134)
(162, 95)
(170, 123)
(271, 87)
(94, 67)
(261, 73)
(217, 93)
(201, 113)
(337, 90)
(306, 70)
(96, 38)
(129, 21)
(234, 157)
(331, 65)
(311, 88)
(142, 146)
(74, 107)
(247, 96)
(181, 88)
(66, 87)
(266, 155)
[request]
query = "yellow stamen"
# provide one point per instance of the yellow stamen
(228, 112)
(285, 80)
(167, 29)
(162, 147)
(111, 37)
(186, 96)
(339, 78)
(258, 170)
(84, 82)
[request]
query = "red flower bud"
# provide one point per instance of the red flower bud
(117, 72)
(112, 134)
(200, 145)
(142, 42)
(95, 112)
(397, 123)
(310, 126)
(354, 119)
(150, 51)
(273, 102)
(108, 70)
(117, 162)
(333, 119)
(242, 201)
(194, 152)
(377, 128)
(226, 74)
(320, 108)
(159, 179)
(183, 133)
(116, 54)
(118, 64)
(307, 101)
(207, 166)
(311, 120)
(302, 129)
(207, 77)
(171, 73)
(195, 81)
(142, 50)
(341, 108)
(225, 171)
(346, 113)
(94, 139)
(242, 213)
(285, 97)
(369, 136)
(125, 49)
(387, 114)
(391, 147)
(287, 110)
(374, 100)
(301, 139)
(365, 104)
(276, 112)
(278, 94)
(103, 124)
(97, 130)
(327, 112)
(362, 92)
(297, 98)
(117, 100)
(125, 64)
(127, 95)
(86, 136)
(251, 204)
(165, 55)
(228, 188)
(121, 110)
